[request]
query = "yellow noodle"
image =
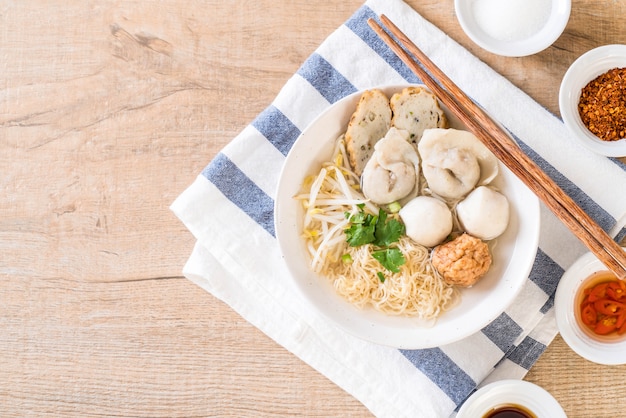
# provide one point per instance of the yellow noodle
(415, 291)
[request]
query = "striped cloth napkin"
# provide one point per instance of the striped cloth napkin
(232, 199)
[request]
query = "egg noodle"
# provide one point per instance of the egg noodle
(416, 291)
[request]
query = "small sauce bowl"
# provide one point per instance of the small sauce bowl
(608, 350)
(513, 30)
(583, 70)
(533, 400)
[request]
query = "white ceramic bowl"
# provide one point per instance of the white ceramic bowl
(512, 258)
(586, 68)
(498, 35)
(506, 392)
(609, 353)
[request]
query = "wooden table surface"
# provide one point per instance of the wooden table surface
(108, 111)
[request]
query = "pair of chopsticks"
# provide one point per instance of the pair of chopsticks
(500, 143)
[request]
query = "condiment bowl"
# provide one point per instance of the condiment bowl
(598, 350)
(585, 69)
(517, 393)
(500, 28)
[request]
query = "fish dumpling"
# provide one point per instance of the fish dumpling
(451, 173)
(484, 213)
(392, 173)
(455, 161)
(427, 220)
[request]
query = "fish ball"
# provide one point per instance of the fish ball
(484, 213)
(428, 221)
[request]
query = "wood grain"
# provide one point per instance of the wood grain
(108, 110)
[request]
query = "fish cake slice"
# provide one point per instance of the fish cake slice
(369, 123)
(416, 109)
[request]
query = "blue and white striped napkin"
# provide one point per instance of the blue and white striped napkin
(229, 209)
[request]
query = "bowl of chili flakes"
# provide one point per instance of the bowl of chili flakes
(592, 100)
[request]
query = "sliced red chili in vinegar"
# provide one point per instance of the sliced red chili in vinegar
(598, 292)
(608, 307)
(606, 325)
(616, 291)
(589, 315)
(603, 308)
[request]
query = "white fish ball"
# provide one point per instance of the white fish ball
(484, 213)
(428, 220)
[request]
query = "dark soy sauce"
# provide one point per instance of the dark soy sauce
(510, 411)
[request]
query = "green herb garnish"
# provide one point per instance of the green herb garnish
(366, 228)
(362, 229)
(387, 232)
(346, 258)
(394, 207)
(390, 258)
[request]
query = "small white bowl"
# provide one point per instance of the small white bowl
(608, 353)
(511, 392)
(587, 67)
(499, 35)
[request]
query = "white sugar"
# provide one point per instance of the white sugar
(511, 20)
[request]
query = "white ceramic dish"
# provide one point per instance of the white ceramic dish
(609, 353)
(536, 42)
(517, 392)
(481, 304)
(587, 67)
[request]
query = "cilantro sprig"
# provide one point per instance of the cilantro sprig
(380, 231)
(386, 231)
(390, 258)
(362, 228)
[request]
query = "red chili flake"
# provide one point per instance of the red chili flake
(602, 105)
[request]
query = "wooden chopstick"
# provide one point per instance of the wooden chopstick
(505, 149)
